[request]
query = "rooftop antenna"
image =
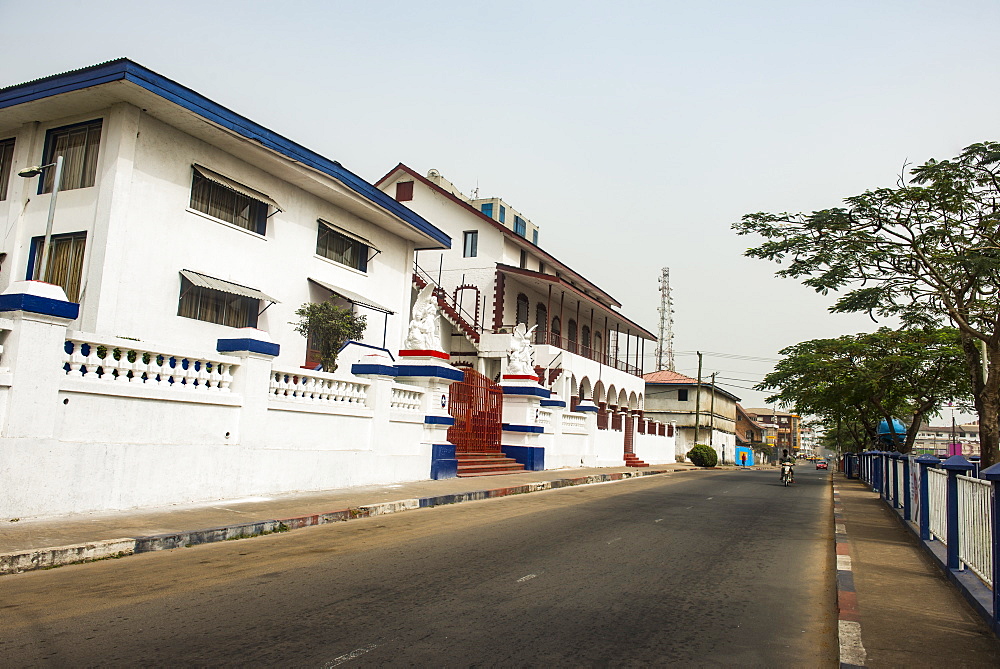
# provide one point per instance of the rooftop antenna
(665, 343)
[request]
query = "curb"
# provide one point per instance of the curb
(48, 558)
(852, 651)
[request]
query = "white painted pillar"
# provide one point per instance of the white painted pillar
(34, 353)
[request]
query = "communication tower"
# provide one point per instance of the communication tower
(665, 345)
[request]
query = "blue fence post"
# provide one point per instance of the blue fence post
(883, 475)
(954, 465)
(876, 460)
(924, 511)
(851, 465)
(894, 477)
(974, 459)
(992, 474)
(907, 511)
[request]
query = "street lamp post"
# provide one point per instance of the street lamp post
(29, 172)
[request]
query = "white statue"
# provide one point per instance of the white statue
(424, 333)
(521, 354)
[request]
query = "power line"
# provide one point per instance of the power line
(731, 356)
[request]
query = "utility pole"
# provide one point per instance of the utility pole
(665, 342)
(697, 403)
(711, 421)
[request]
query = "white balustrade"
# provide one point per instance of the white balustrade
(937, 503)
(406, 398)
(318, 388)
(545, 416)
(975, 518)
(574, 421)
(121, 361)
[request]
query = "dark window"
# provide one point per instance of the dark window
(78, 145)
(522, 309)
(556, 327)
(470, 243)
(524, 259)
(216, 306)
(541, 267)
(487, 208)
(534, 236)
(682, 395)
(218, 201)
(503, 213)
(585, 338)
(598, 344)
(404, 191)
(571, 335)
(65, 262)
(341, 248)
(6, 158)
(519, 226)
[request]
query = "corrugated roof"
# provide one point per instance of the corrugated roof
(666, 376)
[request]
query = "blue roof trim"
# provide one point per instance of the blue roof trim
(127, 70)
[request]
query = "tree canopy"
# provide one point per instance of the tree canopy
(860, 380)
(926, 251)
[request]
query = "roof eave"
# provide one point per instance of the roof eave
(123, 69)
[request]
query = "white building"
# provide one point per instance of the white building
(178, 216)
(496, 276)
(161, 367)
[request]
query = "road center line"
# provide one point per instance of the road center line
(337, 661)
(526, 578)
(658, 520)
(709, 498)
(614, 540)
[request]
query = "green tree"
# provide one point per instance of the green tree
(926, 251)
(860, 380)
(328, 327)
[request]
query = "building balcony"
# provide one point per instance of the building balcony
(558, 340)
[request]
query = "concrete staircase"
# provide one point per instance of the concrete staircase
(486, 464)
(449, 311)
(632, 461)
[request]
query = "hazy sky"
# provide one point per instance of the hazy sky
(633, 133)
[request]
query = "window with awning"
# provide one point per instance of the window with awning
(230, 201)
(206, 298)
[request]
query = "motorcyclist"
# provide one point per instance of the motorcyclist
(786, 459)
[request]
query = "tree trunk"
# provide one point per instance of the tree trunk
(988, 406)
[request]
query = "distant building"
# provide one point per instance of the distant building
(935, 440)
(788, 427)
(750, 433)
(674, 397)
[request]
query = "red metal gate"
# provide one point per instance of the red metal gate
(476, 404)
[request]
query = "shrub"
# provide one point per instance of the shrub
(328, 327)
(703, 456)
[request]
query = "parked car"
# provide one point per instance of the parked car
(821, 464)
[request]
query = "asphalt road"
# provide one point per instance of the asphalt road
(717, 568)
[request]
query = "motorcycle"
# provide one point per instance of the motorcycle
(787, 477)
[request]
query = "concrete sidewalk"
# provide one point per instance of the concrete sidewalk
(896, 607)
(37, 544)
